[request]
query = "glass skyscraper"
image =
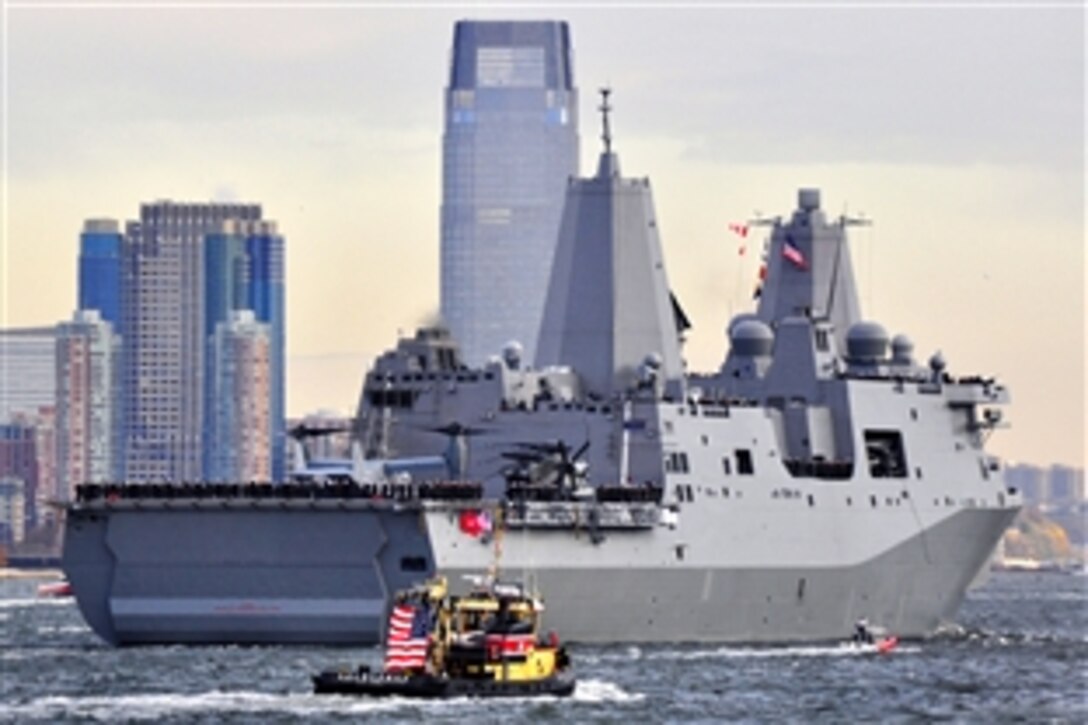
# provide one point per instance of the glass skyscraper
(510, 144)
(163, 323)
(243, 270)
(100, 269)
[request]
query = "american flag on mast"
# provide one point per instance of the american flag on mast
(406, 638)
(794, 255)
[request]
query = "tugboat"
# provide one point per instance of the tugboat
(485, 644)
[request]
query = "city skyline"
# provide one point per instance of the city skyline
(958, 131)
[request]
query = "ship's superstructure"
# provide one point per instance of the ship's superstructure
(820, 475)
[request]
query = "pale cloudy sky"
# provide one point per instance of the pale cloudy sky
(959, 130)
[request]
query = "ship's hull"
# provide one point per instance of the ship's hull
(241, 572)
(321, 573)
(910, 589)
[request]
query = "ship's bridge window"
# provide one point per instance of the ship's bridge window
(392, 398)
(821, 339)
(887, 458)
(744, 462)
(726, 465)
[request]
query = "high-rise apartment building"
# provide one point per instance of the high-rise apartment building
(240, 431)
(27, 364)
(510, 144)
(12, 510)
(163, 324)
(243, 270)
(19, 469)
(88, 404)
(100, 269)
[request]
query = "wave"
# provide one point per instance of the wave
(989, 637)
(64, 629)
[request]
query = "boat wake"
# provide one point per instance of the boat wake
(215, 704)
(695, 654)
(603, 691)
(155, 706)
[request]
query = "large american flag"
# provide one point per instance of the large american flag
(406, 639)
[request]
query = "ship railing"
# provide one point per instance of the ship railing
(605, 494)
(581, 515)
(815, 468)
(334, 489)
(976, 391)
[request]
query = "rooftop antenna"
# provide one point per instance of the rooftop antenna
(606, 134)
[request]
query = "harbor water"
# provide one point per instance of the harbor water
(1019, 651)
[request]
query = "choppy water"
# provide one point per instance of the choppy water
(1019, 653)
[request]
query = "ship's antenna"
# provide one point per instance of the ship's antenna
(606, 134)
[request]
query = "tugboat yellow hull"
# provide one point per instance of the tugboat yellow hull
(367, 684)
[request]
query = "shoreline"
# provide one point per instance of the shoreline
(8, 572)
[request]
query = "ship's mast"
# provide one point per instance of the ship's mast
(606, 132)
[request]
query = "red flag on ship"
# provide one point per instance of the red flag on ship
(406, 638)
(474, 522)
(740, 230)
(794, 255)
(510, 645)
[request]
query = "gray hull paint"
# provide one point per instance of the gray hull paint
(902, 589)
(299, 575)
(254, 595)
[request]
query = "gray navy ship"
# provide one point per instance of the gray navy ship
(821, 475)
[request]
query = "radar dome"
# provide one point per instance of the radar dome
(751, 338)
(743, 317)
(902, 350)
(511, 354)
(866, 341)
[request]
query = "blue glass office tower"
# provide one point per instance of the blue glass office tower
(510, 144)
(243, 270)
(100, 269)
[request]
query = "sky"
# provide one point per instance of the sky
(958, 129)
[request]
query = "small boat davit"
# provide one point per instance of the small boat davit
(485, 644)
